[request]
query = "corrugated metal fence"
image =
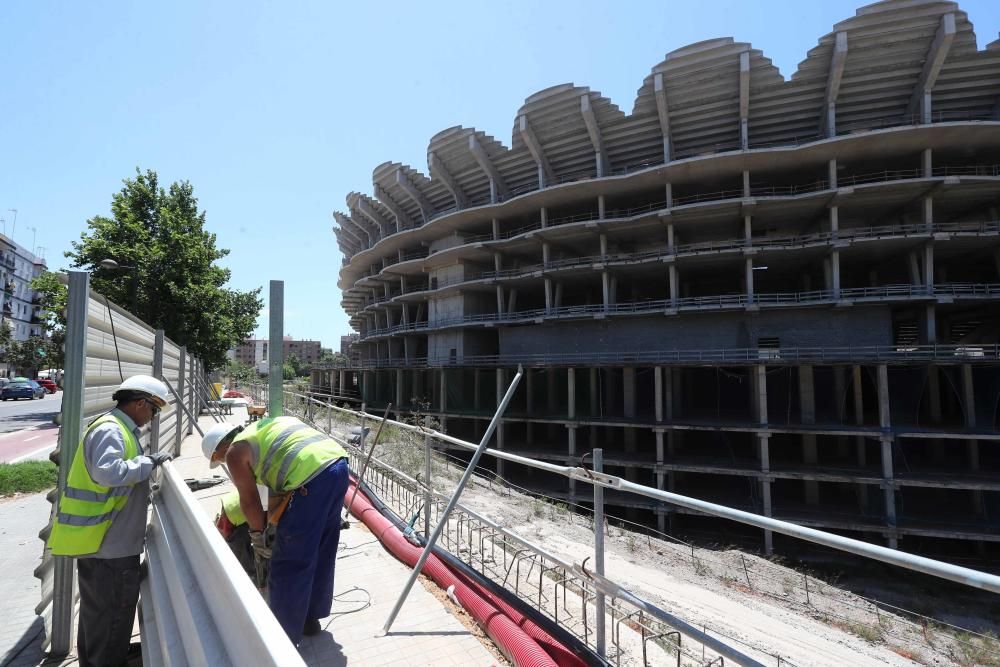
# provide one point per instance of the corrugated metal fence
(104, 344)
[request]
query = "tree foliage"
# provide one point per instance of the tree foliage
(33, 354)
(52, 294)
(172, 281)
(240, 372)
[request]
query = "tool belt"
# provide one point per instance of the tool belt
(278, 503)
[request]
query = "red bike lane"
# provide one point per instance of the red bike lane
(24, 443)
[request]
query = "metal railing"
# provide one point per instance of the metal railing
(711, 302)
(959, 353)
(498, 553)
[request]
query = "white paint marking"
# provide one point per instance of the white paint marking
(33, 455)
(34, 437)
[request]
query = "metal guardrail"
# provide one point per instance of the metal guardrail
(968, 353)
(198, 607)
(688, 249)
(104, 344)
(713, 302)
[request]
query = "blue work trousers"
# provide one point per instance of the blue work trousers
(304, 553)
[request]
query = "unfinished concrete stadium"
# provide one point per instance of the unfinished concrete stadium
(779, 295)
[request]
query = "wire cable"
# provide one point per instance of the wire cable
(111, 319)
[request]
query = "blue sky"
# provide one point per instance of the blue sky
(275, 111)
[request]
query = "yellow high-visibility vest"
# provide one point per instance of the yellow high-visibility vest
(287, 452)
(86, 509)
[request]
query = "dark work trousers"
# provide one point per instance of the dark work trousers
(109, 592)
(304, 553)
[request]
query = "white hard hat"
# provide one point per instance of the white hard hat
(150, 386)
(213, 437)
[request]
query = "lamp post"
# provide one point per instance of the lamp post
(112, 265)
(13, 225)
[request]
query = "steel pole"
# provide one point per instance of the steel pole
(443, 521)
(183, 407)
(70, 432)
(275, 352)
(600, 610)
(154, 427)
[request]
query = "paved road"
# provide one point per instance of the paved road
(26, 428)
(22, 413)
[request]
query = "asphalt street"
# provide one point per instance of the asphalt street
(26, 428)
(24, 413)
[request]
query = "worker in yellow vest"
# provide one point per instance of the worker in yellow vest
(232, 526)
(306, 474)
(101, 519)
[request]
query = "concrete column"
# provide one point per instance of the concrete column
(594, 395)
(559, 295)
(760, 377)
(927, 163)
(544, 213)
(673, 285)
(807, 406)
(658, 393)
(930, 324)
(765, 487)
(859, 441)
(529, 402)
(749, 278)
(501, 389)
(928, 212)
(668, 192)
(670, 238)
(343, 382)
(600, 207)
(496, 231)
(476, 390)
(399, 390)
(929, 264)
(628, 407)
(835, 273)
(888, 484)
(571, 436)
(500, 309)
(571, 393)
(968, 397)
(915, 278)
(512, 300)
(746, 182)
(443, 386)
(548, 295)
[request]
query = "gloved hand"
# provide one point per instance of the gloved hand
(259, 544)
(159, 458)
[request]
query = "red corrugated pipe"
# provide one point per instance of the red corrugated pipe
(520, 639)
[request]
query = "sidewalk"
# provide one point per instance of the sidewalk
(368, 583)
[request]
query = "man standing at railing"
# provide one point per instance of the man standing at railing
(306, 474)
(101, 519)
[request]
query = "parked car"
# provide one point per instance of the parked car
(22, 389)
(48, 385)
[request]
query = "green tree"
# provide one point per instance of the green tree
(288, 371)
(28, 355)
(173, 283)
(339, 360)
(52, 294)
(240, 372)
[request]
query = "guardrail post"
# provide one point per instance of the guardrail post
(599, 553)
(70, 432)
(275, 352)
(181, 384)
(154, 427)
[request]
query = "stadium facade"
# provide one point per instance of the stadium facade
(781, 295)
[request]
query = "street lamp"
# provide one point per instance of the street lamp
(13, 225)
(112, 265)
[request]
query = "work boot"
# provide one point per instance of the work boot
(312, 627)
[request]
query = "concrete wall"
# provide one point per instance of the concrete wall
(819, 327)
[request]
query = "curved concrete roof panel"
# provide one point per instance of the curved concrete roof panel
(893, 60)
